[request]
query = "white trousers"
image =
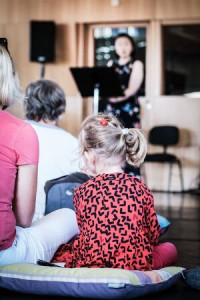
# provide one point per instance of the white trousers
(41, 240)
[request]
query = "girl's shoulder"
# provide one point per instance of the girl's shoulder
(138, 182)
(88, 181)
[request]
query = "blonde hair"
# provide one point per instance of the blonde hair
(111, 141)
(9, 83)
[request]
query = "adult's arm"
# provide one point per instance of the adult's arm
(26, 147)
(135, 81)
(136, 78)
(25, 195)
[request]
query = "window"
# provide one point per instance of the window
(181, 50)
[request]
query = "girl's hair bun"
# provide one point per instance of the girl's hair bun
(136, 147)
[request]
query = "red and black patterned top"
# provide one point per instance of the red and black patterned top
(117, 222)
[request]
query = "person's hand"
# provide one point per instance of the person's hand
(116, 99)
(127, 92)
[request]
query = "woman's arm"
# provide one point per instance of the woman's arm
(25, 195)
(135, 81)
(26, 147)
(136, 78)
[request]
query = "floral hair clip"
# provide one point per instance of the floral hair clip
(104, 122)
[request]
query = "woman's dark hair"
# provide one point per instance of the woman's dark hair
(133, 53)
(44, 100)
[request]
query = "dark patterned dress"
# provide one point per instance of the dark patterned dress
(117, 222)
(128, 111)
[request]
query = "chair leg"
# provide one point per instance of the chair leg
(170, 177)
(181, 176)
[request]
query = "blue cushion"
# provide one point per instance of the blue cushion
(164, 223)
(86, 282)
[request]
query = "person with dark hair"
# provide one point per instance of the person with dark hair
(131, 74)
(44, 104)
(45, 101)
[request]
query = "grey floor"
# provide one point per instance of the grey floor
(183, 210)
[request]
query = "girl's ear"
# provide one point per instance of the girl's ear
(90, 158)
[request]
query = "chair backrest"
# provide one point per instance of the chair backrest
(164, 136)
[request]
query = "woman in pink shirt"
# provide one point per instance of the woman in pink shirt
(19, 151)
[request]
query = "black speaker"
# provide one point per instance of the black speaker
(42, 41)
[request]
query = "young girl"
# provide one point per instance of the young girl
(115, 211)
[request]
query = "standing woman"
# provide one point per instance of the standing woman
(131, 74)
(19, 240)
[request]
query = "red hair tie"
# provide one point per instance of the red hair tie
(104, 122)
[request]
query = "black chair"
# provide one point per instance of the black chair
(165, 136)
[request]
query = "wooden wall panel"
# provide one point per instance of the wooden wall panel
(177, 9)
(98, 11)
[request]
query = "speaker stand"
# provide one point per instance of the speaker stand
(42, 70)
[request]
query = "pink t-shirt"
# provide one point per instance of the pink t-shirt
(18, 146)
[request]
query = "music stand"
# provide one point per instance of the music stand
(97, 82)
